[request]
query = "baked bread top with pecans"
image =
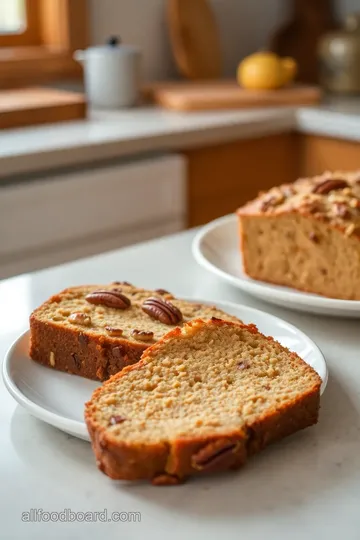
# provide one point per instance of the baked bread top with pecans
(200, 400)
(121, 310)
(330, 197)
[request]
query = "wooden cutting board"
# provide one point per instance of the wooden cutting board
(187, 96)
(30, 106)
(194, 38)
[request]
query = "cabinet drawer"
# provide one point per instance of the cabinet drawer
(63, 208)
(86, 247)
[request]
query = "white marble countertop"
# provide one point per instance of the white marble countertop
(114, 134)
(308, 486)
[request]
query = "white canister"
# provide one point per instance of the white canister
(112, 74)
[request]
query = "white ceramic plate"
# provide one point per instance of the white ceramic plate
(216, 248)
(58, 398)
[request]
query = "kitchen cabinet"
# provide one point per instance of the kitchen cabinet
(318, 154)
(223, 177)
(62, 217)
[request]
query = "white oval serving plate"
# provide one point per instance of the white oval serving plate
(216, 248)
(58, 398)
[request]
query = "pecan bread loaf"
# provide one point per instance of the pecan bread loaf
(94, 331)
(306, 235)
(202, 399)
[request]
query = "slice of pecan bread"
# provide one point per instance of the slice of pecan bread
(202, 399)
(306, 235)
(94, 331)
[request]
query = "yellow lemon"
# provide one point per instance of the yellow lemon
(265, 71)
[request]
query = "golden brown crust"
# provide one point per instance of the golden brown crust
(331, 198)
(166, 480)
(79, 353)
(121, 462)
(184, 457)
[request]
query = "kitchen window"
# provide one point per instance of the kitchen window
(38, 38)
(18, 24)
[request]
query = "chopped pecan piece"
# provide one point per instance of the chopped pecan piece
(162, 291)
(117, 419)
(217, 453)
(288, 191)
(142, 335)
(52, 359)
(268, 203)
(119, 352)
(341, 210)
(271, 200)
(162, 310)
(350, 229)
(112, 299)
(80, 318)
(114, 332)
(323, 188)
(313, 237)
(355, 203)
(244, 364)
(76, 360)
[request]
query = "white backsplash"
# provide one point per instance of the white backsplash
(244, 27)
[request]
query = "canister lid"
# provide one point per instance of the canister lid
(113, 45)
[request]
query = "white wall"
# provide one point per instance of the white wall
(140, 22)
(244, 25)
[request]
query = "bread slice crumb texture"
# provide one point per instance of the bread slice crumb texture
(206, 379)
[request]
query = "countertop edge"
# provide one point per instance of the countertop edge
(39, 161)
(124, 134)
(329, 123)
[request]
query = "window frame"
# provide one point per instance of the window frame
(44, 51)
(31, 36)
